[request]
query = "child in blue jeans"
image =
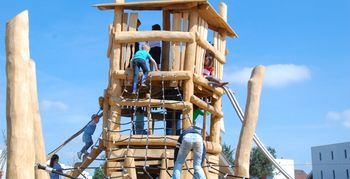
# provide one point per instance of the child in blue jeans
(190, 139)
(88, 132)
(141, 57)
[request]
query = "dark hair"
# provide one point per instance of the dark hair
(53, 159)
(156, 27)
(211, 60)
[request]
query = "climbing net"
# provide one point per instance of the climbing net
(129, 128)
(167, 93)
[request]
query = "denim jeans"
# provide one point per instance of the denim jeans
(136, 65)
(87, 145)
(190, 141)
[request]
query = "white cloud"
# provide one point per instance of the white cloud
(342, 117)
(47, 105)
(278, 75)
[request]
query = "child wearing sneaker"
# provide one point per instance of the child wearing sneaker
(141, 57)
(88, 132)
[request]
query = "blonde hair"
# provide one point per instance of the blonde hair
(146, 47)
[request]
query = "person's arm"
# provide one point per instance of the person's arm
(154, 63)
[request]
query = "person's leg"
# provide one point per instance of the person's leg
(145, 71)
(197, 156)
(185, 148)
(135, 69)
(178, 122)
(216, 80)
(169, 122)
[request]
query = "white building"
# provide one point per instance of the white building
(331, 161)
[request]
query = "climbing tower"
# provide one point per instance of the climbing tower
(171, 93)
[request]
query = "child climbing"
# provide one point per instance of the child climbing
(55, 165)
(208, 70)
(88, 132)
(190, 139)
(140, 59)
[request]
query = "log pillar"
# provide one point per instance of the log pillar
(190, 57)
(20, 124)
(165, 66)
(249, 124)
(39, 147)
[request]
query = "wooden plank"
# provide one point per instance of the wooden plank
(131, 46)
(138, 36)
(189, 66)
(203, 105)
(175, 46)
(183, 44)
(206, 11)
(110, 40)
(165, 45)
(206, 45)
(123, 58)
(172, 104)
(141, 140)
(154, 75)
(200, 80)
(88, 160)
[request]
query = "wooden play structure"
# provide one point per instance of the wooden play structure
(184, 37)
(170, 95)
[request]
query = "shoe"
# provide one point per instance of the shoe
(79, 155)
(143, 85)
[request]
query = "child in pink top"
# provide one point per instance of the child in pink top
(208, 71)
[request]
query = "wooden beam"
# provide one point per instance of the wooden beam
(129, 163)
(154, 75)
(139, 36)
(249, 124)
(200, 80)
(205, 44)
(175, 46)
(203, 105)
(171, 141)
(88, 160)
(165, 45)
(172, 104)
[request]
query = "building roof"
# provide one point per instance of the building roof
(205, 10)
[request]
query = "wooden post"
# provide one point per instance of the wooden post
(20, 148)
(249, 124)
(165, 45)
(163, 172)
(183, 46)
(189, 66)
(123, 53)
(175, 46)
(40, 155)
(129, 162)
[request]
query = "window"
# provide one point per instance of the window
(321, 174)
(332, 155)
(347, 173)
(345, 154)
(333, 174)
(320, 155)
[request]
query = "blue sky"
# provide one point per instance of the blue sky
(305, 46)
